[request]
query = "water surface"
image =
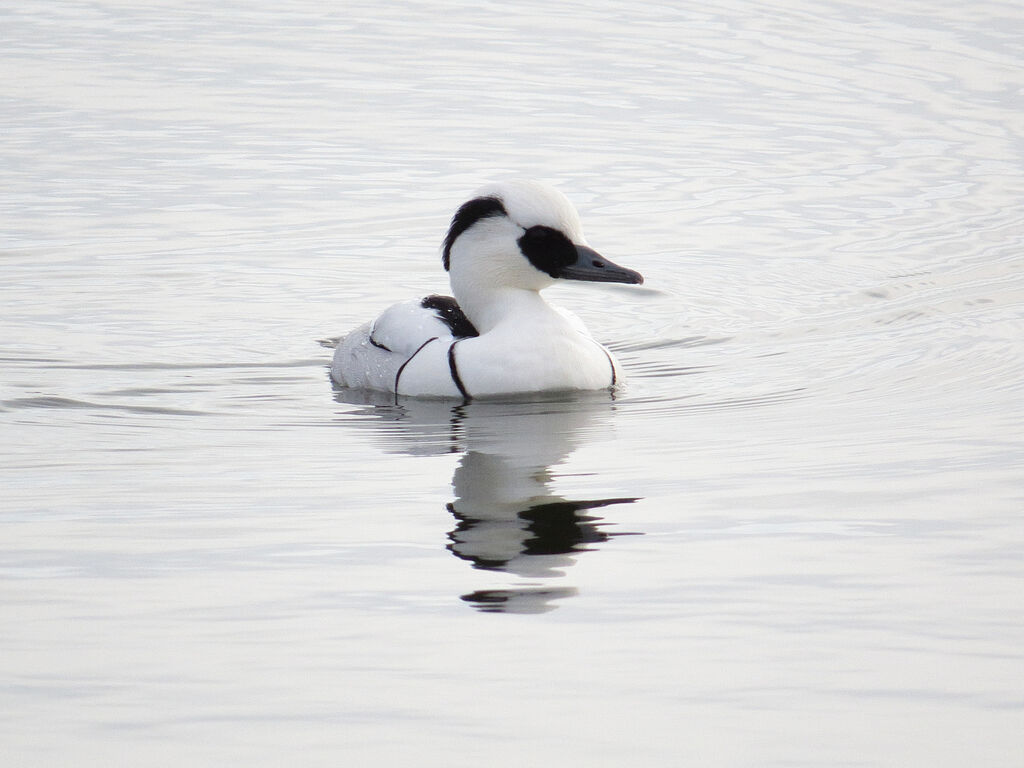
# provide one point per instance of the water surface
(793, 538)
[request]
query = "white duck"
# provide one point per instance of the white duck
(497, 336)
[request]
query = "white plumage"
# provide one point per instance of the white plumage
(498, 336)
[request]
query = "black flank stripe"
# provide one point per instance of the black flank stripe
(402, 366)
(455, 371)
(373, 341)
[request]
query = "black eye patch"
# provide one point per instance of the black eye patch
(547, 249)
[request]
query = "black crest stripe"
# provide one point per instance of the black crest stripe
(402, 366)
(469, 214)
(454, 368)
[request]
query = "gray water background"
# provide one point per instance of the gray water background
(794, 538)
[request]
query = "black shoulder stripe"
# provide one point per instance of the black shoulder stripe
(451, 313)
(468, 215)
(402, 366)
(454, 368)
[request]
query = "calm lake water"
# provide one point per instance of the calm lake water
(795, 538)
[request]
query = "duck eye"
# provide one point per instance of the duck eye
(547, 249)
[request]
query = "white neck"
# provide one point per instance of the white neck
(487, 309)
(493, 281)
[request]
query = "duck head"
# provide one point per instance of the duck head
(521, 235)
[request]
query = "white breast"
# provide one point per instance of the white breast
(510, 360)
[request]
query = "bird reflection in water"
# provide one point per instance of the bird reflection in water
(547, 532)
(508, 518)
